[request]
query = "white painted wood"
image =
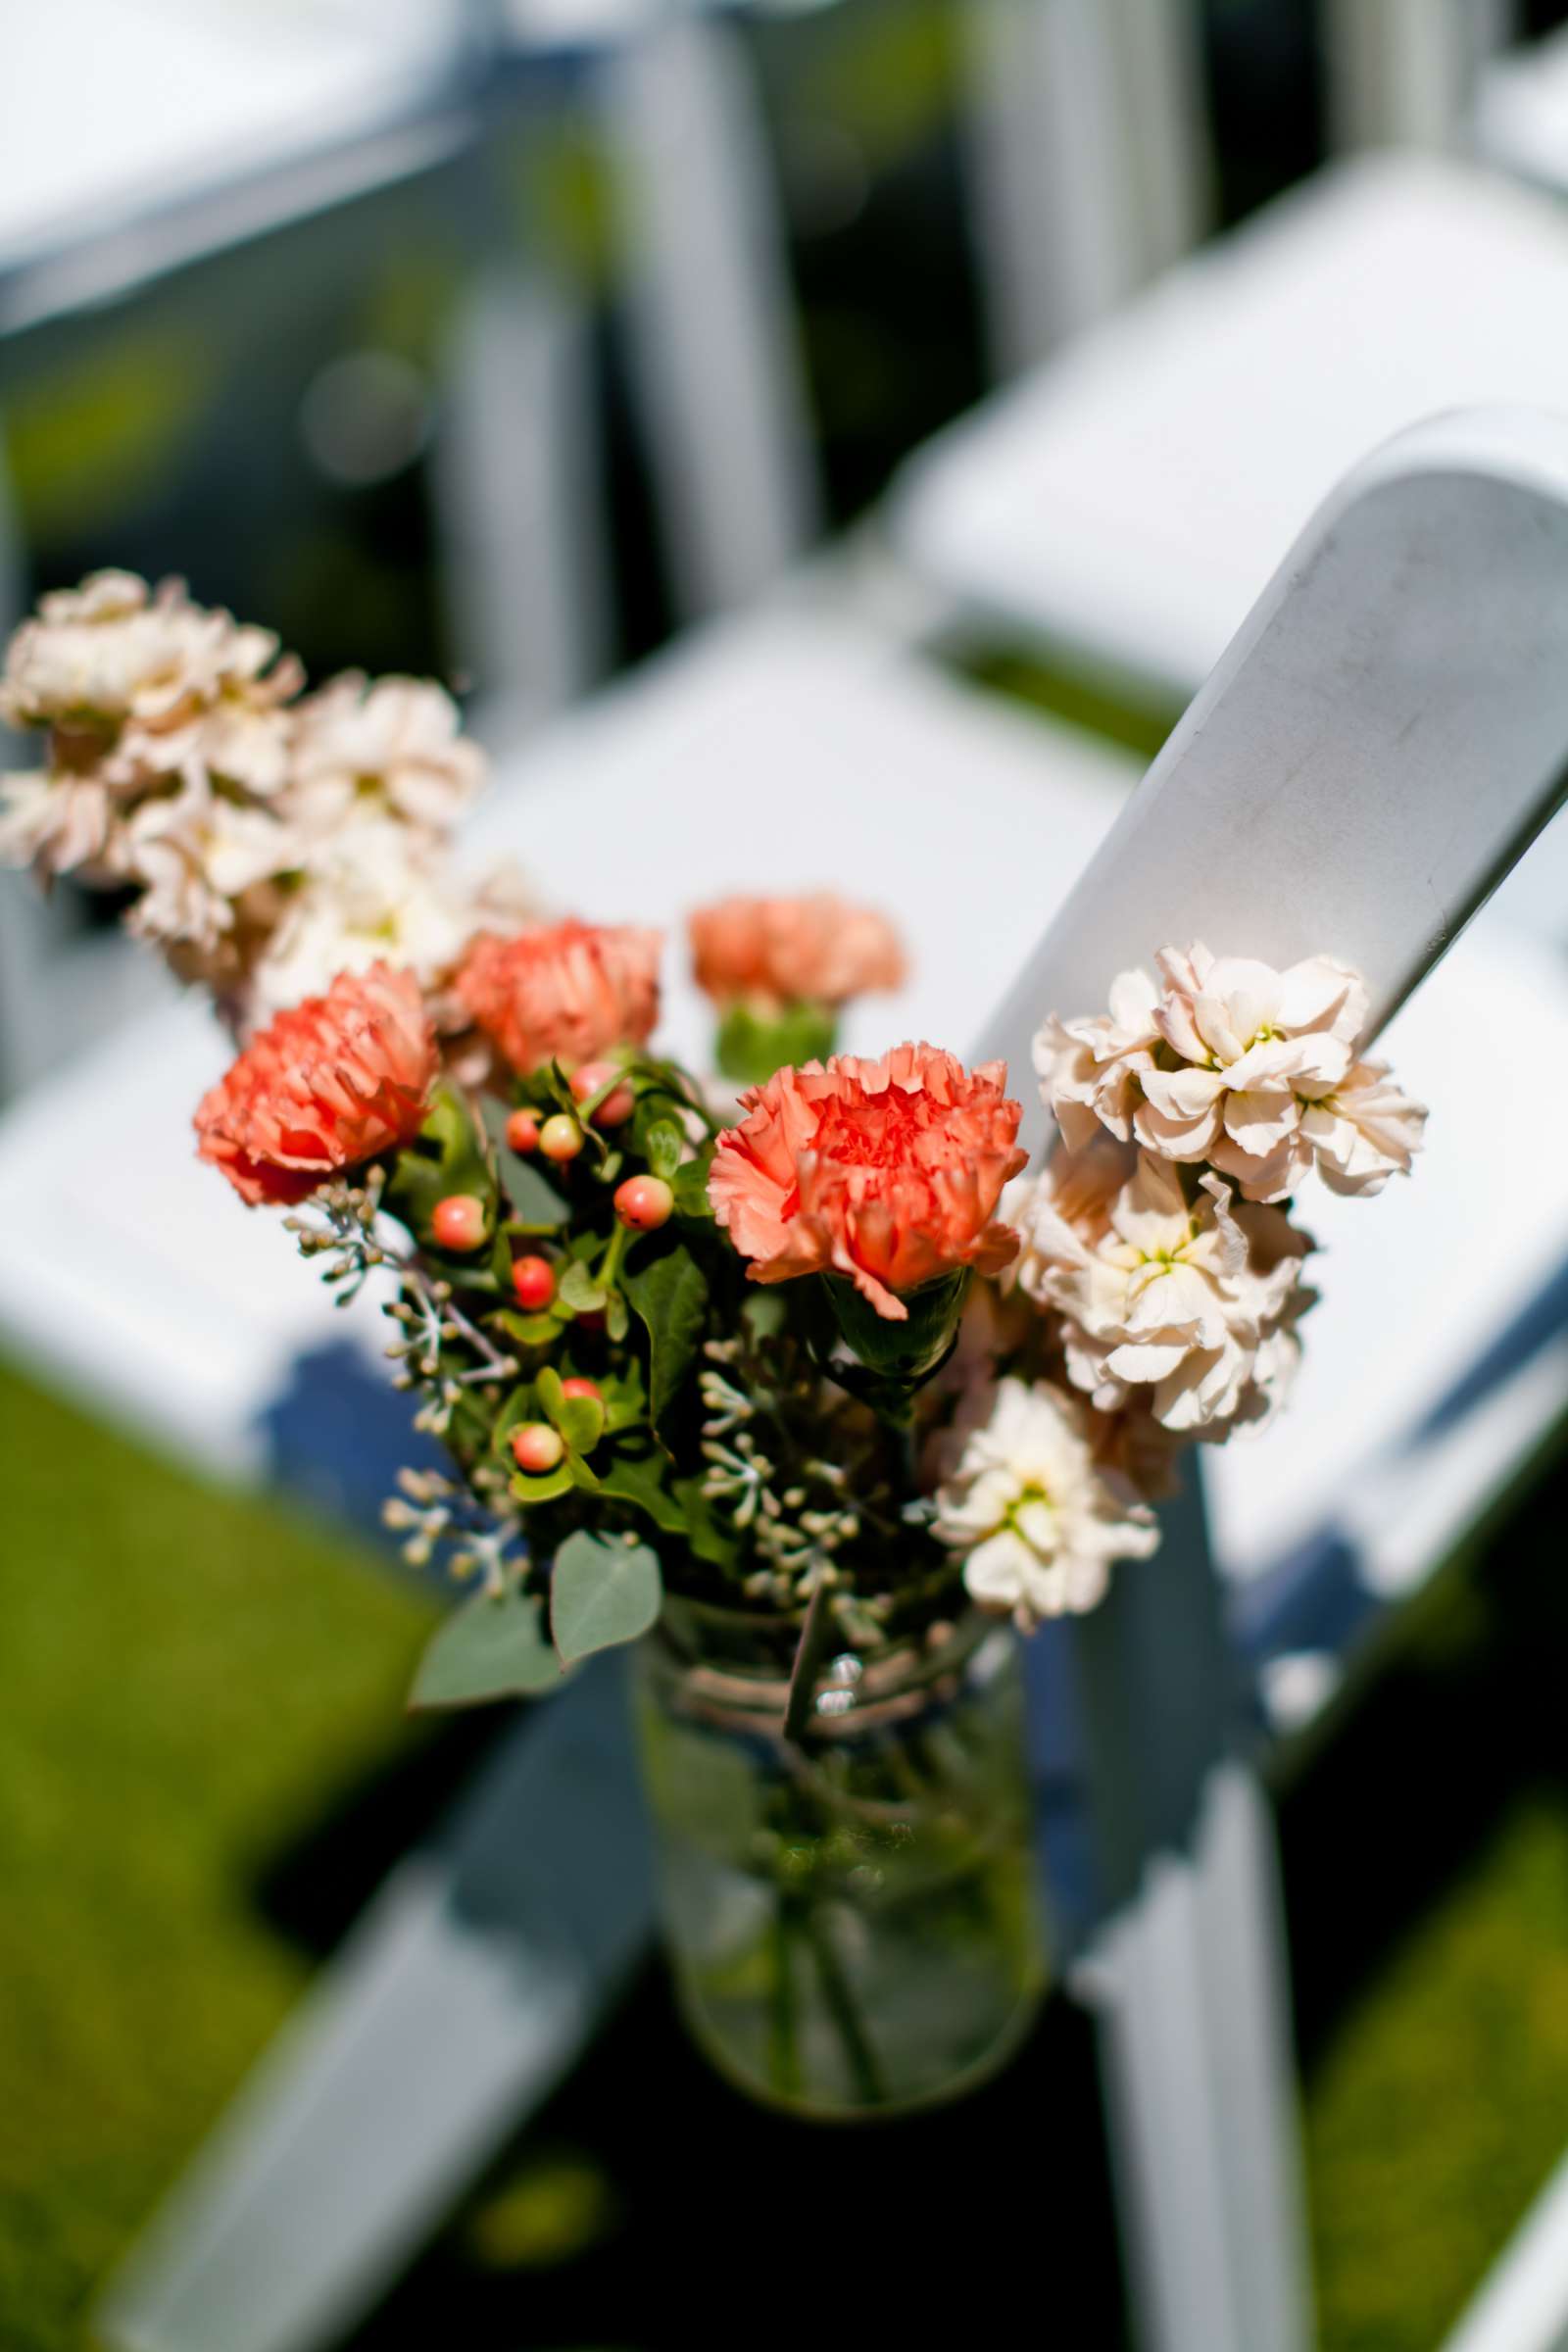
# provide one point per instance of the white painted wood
(1382, 740)
(1378, 745)
(1166, 115)
(713, 346)
(1521, 114)
(1401, 73)
(519, 509)
(1523, 2305)
(1125, 506)
(1054, 203)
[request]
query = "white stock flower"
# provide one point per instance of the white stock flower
(374, 894)
(113, 650)
(1023, 1499)
(1166, 1303)
(395, 745)
(58, 823)
(1363, 1130)
(1091, 1070)
(195, 854)
(1250, 1042)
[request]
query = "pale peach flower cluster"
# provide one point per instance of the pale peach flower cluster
(1023, 1496)
(769, 953)
(1185, 1306)
(1223, 1060)
(273, 838)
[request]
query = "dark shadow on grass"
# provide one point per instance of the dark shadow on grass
(729, 2226)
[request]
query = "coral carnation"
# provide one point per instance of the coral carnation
(566, 993)
(328, 1085)
(888, 1172)
(776, 951)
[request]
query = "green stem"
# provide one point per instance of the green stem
(864, 2071)
(784, 2051)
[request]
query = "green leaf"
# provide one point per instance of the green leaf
(579, 1419)
(578, 1289)
(707, 1533)
(615, 1317)
(448, 1156)
(530, 1331)
(603, 1592)
(494, 1647)
(542, 1489)
(690, 1186)
(669, 1295)
(664, 1147)
(639, 1479)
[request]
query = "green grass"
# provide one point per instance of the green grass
(186, 1680)
(1443, 2101)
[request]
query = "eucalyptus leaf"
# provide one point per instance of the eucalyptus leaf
(668, 1293)
(603, 1592)
(494, 1647)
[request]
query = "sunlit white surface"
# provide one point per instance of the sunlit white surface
(1130, 499)
(110, 105)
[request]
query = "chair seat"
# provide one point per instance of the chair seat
(1126, 502)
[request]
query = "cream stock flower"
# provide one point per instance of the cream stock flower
(1250, 1042)
(1363, 1131)
(197, 852)
(394, 743)
(58, 824)
(1024, 1499)
(1164, 1300)
(1090, 1070)
(1229, 1062)
(372, 895)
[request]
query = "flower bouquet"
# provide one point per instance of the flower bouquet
(811, 1395)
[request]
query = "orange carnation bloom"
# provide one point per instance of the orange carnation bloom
(778, 951)
(565, 994)
(332, 1083)
(886, 1171)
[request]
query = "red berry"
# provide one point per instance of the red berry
(458, 1222)
(616, 1106)
(561, 1138)
(536, 1447)
(644, 1202)
(578, 1387)
(523, 1131)
(534, 1281)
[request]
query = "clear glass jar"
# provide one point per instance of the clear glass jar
(852, 1919)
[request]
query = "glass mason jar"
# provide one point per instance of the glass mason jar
(852, 1919)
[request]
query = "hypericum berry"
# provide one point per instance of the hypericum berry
(534, 1281)
(458, 1222)
(616, 1106)
(644, 1202)
(523, 1131)
(561, 1138)
(577, 1386)
(537, 1447)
